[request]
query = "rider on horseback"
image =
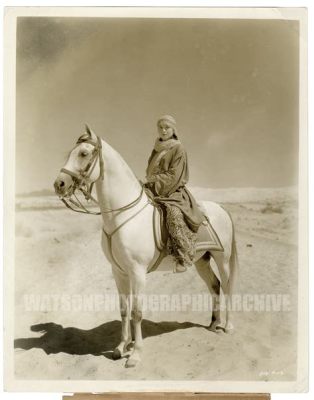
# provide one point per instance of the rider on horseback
(167, 174)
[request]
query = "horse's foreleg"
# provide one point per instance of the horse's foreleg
(123, 285)
(138, 279)
(206, 273)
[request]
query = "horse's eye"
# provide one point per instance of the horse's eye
(83, 153)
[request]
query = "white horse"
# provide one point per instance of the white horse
(128, 239)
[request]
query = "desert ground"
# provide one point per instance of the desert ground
(58, 253)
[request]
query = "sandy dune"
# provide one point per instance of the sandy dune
(58, 253)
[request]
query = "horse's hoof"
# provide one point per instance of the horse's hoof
(229, 328)
(131, 363)
(116, 355)
(216, 328)
(220, 330)
(128, 347)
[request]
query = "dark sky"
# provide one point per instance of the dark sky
(232, 86)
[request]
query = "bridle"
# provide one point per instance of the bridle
(80, 179)
(80, 183)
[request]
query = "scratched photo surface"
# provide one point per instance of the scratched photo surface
(232, 86)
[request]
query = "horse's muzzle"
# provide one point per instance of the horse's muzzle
(59, 185)
(62, 185)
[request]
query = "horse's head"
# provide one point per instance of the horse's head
(83, 167)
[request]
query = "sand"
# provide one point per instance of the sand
(58, 253)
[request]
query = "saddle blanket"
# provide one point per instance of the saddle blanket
(207, 238)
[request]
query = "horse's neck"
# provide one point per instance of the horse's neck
(119, 186)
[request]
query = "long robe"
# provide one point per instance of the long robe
(170, 174)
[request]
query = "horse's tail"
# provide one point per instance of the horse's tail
(233, 267)
(233, 262)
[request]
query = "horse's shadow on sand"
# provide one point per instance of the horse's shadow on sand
(99, 341)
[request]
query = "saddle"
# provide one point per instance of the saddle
(207, 238)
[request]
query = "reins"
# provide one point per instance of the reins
(128, 206)
(80, 183)
(79, 180)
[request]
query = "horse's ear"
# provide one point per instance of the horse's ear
(88, 131)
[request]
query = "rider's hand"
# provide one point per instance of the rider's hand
(151, 179)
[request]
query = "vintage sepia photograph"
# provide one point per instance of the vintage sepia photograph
(156, 199)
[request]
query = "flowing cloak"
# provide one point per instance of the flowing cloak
(171, 173)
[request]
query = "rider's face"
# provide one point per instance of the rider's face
(164, 130)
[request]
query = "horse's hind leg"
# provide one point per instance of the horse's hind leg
(206, 273)
(123, 285)
(224, 266)
(229, 328)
